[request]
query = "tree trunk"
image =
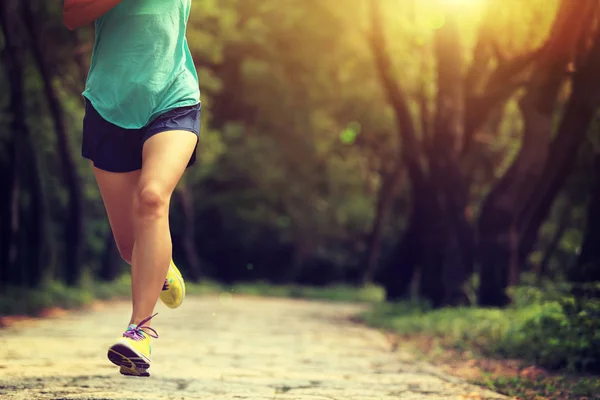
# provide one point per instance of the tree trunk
(485, 90)
(34, 250)
(10, 192)
(186, 202)
(399, 271)
(587, 268)
(579, 115)
(73, 226)
(561, 228)
(409, 151)
(398, 275)
(387, 193)
(15, 203)
(433, 237)
(8, 187)
(456, 241)
(502, 208)
(26, 172)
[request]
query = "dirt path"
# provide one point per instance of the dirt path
(220, 348)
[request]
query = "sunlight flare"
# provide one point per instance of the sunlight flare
(463, 2)
(434, 13)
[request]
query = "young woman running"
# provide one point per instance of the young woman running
(140, 132)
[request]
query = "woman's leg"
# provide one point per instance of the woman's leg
(165, 158)
(118, 190)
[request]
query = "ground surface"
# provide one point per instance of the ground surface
(221, 348)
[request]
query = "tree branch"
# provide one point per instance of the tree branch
(409, 150)
(501, 84)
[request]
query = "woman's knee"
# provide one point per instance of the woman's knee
(151, 201)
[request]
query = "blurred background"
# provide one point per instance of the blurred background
(440, 150)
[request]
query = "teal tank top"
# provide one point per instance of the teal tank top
(141, 64)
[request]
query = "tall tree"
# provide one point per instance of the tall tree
(439, 238)
(391, 183)
(587, 268)
(444, 150)
(519, 202)
(397, 279)
(73, 226)
(23, 228)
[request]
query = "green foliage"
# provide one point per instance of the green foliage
(119, 288)
(344, 293)
(297, 132)
(561, 387)
(551, 329)
(20, 301)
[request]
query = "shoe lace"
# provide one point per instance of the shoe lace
(137, 332)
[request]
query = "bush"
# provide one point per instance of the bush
(554, 330)
(370, 294)
(22, 301)
(19, 301)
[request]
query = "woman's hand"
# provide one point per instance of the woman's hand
(77, 13)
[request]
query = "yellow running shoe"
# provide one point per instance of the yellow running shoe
(132, 351)
(173, 291)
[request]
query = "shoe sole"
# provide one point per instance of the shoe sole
(134, 372)
(130, 362)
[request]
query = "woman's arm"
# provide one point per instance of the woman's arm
(77, 13)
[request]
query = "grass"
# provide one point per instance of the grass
(30, 302)
(545, 387)
(344, 293)
(497, 348)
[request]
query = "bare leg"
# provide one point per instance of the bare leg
(165, 158)
(118, 191)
